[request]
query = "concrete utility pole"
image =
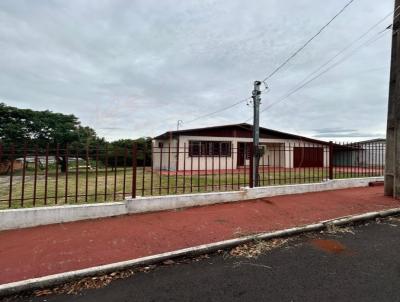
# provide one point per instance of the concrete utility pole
(392, 166)
(256, 131)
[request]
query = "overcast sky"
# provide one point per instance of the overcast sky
(133, 68)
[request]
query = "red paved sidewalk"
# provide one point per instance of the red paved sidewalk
(45, 250)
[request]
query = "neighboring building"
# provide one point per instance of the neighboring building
(369, 153)
(227, 147)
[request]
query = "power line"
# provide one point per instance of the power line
(293, 91)
(308, 42)
(218, 111)
(278, 68)
(351, 44)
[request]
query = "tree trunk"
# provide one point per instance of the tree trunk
(62, 161)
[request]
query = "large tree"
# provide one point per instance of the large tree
(26, 127)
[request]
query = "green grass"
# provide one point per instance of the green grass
(111, 188)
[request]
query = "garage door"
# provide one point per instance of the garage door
(308, 157)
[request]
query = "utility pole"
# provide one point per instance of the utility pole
(392, 164)
(256, 131)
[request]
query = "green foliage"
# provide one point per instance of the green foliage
(26, 127)
(30, 127)
(143, 147)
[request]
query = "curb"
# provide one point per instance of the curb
(56, 279)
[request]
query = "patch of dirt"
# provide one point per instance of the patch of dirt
(329, 245)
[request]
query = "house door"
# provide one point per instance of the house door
(243, 153)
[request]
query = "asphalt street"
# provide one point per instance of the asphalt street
(355, 264)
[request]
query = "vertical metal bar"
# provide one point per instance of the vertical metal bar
(161, 168)
(245, 147)
(124, 175)
(315, 152)
(237, 167)
(232, 167)
(251, 167)
(206, 168)
(66, 174)
(382, 163)
(304, 158)
(134, 160)
(198, 170)
(177, 167)
(297, 169)
(46, 174)
(369, 158)
(274, 163)
(56, 164)
(106, 173)
(35, 176)
(262, 158)
(290, 164)
(212, 169)
(23, 176)
(12, 155)
(280, 163)
(96, 177)
(219, 168)
(191, 169)
(144, 166)
(169, 165)
(330, 160)
(226, 172)
(115, 173)
(152, 171)
(184, 167)
(87, 174)
(76, 174)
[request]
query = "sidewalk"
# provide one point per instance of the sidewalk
(41, 251)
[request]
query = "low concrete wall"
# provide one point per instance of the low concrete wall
(30, 217)
(169, 202)
(23, 218)
(336, 184)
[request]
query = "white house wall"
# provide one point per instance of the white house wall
(279, 155)
(162, 158)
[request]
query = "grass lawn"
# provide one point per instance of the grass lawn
(72, 187)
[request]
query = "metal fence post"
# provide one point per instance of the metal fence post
(251, 149)
(330, 160)
(134, 162)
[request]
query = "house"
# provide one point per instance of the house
(368, 153)
(227, 147)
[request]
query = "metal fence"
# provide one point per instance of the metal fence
(34, 176)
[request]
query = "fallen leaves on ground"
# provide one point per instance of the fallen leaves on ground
(85, 283)
(256, 248)
(333, 229)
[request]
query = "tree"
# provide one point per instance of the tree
(143, 146)
(41, 128)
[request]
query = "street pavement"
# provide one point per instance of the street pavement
(52, 249)
(360, 263)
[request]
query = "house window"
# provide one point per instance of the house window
(209, 148)
(160, 145)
